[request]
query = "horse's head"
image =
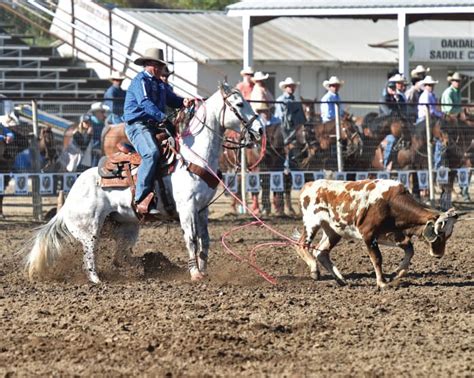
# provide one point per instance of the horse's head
(238, 114)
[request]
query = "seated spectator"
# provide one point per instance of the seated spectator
(6, 135)
(413, 95)
(451, 97)
(246, 85)
(390, 153)
(77, 156)
(428, 97)
(419, 72)
(328, 108)
(260, 92)
(114, 99)
(98, 114)
(395, 101)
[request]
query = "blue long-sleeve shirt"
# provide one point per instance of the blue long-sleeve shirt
(328, 110)
(5, 132)
(147, 98)
(115, 99)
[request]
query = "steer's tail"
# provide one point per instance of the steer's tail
(47, 245)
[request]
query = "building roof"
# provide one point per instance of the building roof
(213, 36)
(346, 7)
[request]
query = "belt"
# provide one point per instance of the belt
(148, 122)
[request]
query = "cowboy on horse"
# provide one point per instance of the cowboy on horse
(144, 111)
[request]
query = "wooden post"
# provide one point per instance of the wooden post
(429, 151)
(37, 205)
(340, 163)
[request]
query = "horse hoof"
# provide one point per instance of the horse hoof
(315, 276)
(198, 276)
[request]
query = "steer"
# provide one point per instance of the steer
(371, 210)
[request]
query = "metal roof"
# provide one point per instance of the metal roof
(346, 7)
(214, 36)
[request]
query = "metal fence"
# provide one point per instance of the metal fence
(346, 149)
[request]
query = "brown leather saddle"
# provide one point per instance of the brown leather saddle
(120, 169)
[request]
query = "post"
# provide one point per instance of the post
(340, 164)
(243, 186)
(37, 206)
(111, 43)
(403, 59)
(73, 31)
(429, 151)
(247, 31)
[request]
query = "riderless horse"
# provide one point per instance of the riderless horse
(89, 205)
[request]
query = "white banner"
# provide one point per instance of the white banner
(403, 178)
(442, 176)
(46, 183)
(276, 182)
(2, 184)
(422, 179)
(383, 175)
(319, 175)
(362, 176)
(463, 177)
(298, 180)
(231, 181)
(253, 183)
(21, 184)
(69, 180)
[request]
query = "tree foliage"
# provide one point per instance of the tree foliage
(172, 4)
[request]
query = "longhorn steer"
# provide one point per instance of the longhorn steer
(371, 210)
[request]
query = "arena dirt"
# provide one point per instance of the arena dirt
(147, 318)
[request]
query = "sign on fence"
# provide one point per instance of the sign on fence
(276, 182)
(46, 184)
(298, 180)
(21, 184)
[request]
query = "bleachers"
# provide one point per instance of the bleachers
(37, 71)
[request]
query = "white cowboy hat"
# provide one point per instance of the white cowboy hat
(117, 76)
(398, 79)
(96, 106)
(247, 71)
(429, 80)
(419, 69)
(333, 80)
(455, 76)
(152, 54)
(260, 76)
(286, 82)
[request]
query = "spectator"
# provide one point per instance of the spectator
(395, 102)
(98, 115)
(77, 156)
(114, 99)
(289, 112)
(328, 109)
(419, 71)
(428, 97)
(6, 135)
(390, 74)
(451, 97)
(246, 85)
(260, 92)
(387, 145)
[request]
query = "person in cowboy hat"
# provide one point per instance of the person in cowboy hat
(394, 101)
(291, 116)
(428, 97)
(451, 97)
(260, 91)
(419, 71)
(246, 85)
(413, 93)
(144, 110)
(328, 108)
(165, 75)
(114, 98)
(98, 112)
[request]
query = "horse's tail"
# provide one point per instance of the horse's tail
(47, 245)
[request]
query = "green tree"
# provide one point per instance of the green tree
(171, 4)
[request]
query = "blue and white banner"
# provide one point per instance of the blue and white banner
(340, 176)
(383, 175)
(319, 175)
(21, 184)
(231, 181)
(463, 177)
(298, 180)
(276, 182)
(362, 176)
(442, 176)
(422, 179)
(2, 184)
(46, 183)
(253, 183)
(403, 177)
(68, 181)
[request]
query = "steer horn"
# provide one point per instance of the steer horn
(429, 232)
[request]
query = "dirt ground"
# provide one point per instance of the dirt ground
(150, 319)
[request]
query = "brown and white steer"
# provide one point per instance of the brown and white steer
(371, 210)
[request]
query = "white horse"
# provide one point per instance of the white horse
(88, 205)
